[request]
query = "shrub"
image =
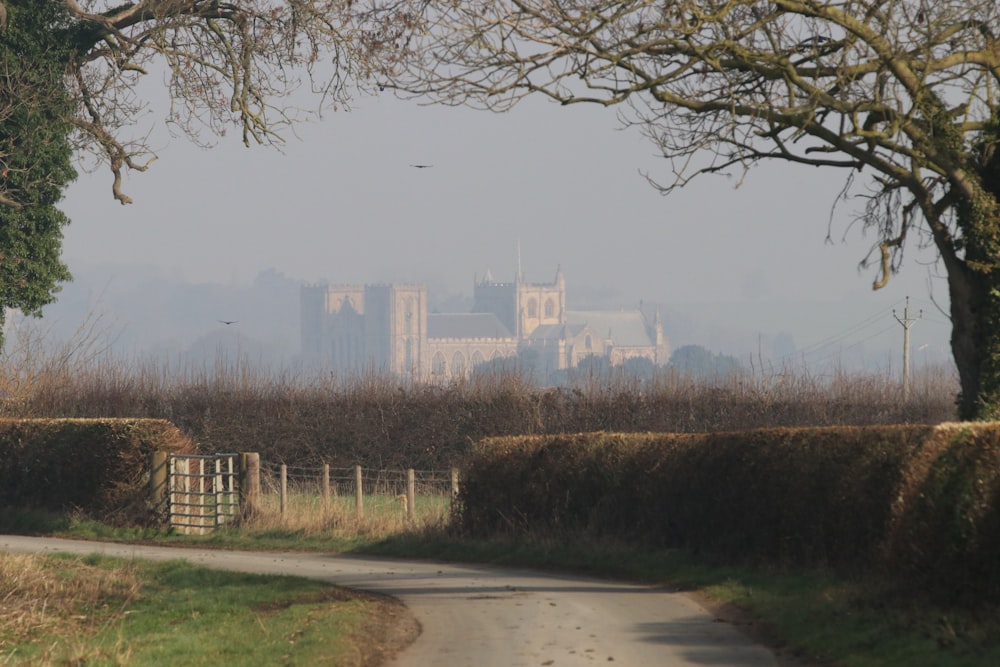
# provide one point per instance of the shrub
(99, 467)
(919, 501)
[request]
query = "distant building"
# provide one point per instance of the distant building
(388, 329)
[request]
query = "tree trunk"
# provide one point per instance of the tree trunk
(974, 289)
(970, 341)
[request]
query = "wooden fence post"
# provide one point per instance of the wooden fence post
(158, 486)
(249, 483)
(411, 483)
(284, 489)
(359, 504)
(326, 487)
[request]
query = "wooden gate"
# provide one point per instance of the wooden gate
(203, 491)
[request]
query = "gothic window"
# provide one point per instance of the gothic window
(588, 343)
(438, 364)
(532, 308)
(477, 358)
(550, 308)
(458, 365)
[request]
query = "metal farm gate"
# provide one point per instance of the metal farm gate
(203, 491)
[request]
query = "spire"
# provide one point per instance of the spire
(517, 276)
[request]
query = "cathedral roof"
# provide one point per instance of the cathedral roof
(466, 325)
(627, 328)
(556, 331)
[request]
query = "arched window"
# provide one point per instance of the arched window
(532, 308)
(550, 308)
(438, 364)
(588, 342)
(458, 365)
(477, 358)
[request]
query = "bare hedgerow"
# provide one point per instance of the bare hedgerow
(376, 421)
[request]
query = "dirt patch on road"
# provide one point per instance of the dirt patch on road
(389, 628)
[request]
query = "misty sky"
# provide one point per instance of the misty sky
(342, 204)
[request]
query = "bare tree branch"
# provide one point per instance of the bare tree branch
(227, 64)
(891, 88)
(900, 94)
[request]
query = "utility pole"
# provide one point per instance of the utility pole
(906, 322)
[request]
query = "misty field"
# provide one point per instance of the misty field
(307, 419)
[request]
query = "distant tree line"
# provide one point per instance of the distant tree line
(691, 360)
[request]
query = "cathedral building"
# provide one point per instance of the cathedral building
(387, 329)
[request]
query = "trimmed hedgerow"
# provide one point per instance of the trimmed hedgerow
(920, 501)
(98, 467)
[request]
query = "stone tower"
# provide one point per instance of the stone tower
(522, 306)
(396, 328)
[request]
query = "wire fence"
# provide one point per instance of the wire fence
(343, 481)
(355, 488)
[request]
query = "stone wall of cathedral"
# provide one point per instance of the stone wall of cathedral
(383, 329)
(456, 357)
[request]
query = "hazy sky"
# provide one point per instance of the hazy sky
(342, 204)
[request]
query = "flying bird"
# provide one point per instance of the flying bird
(228, 322)
(421, 166)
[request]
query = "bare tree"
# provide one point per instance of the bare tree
(70, 86)
(226, 64)
(901, 95)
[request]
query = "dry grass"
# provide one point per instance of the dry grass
(378, 422)
(383, 516)
(42, 596)
(305, 418)
(384, 506)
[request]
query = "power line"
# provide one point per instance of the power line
(839, 337)
(834, 353)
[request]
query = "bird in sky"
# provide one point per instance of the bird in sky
(228, 322)
(421, 166)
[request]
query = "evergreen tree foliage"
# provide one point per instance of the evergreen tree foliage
(35, 153)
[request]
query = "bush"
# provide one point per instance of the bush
(98, 467)
(378, 422)
(919, 501)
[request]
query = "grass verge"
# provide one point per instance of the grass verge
(813, 618)
(67, 610)
(809, 618)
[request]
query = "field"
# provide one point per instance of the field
(309, 419)
(304, 422)
(383, 508)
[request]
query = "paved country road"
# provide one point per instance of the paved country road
(483, 616)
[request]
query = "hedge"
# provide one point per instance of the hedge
(919, 501)
(96, 467)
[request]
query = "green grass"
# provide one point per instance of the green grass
(823, 617)
(194, 616)
(186, 615)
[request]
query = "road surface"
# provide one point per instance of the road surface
(484, 616)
